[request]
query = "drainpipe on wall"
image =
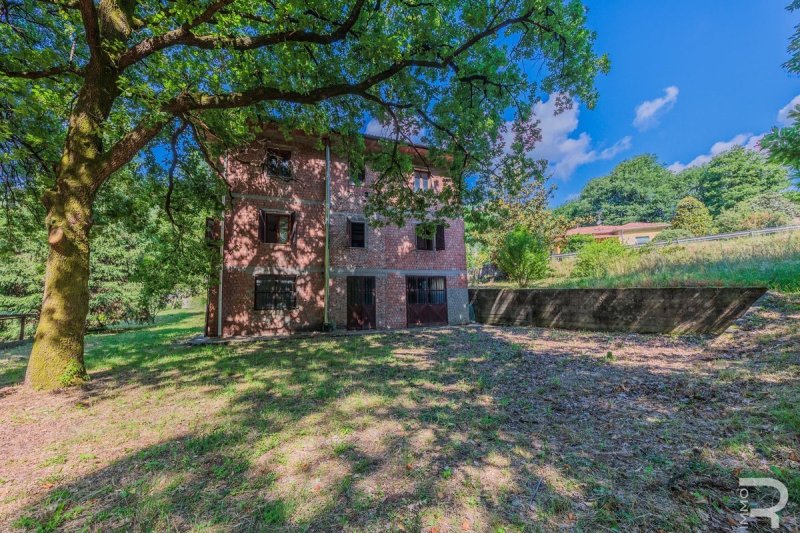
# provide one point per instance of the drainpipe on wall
(326, 318)
(221, 254)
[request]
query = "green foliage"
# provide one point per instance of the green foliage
(637, 190)
(673, 234)
(575, 242)
(768, 210)
(524, 256)
(691, 215)
(597, 258)
(771, 261)
(737, 175)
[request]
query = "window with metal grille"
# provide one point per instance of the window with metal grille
(275, 292)
(437, 242)
(278, 164)
(426, 290)
(358, 234)
(276, 228)
(422, 180)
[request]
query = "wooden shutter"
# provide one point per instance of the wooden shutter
(262, 226)
(292, 226)
(440, 237)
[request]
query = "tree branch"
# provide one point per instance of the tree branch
(38, 74)
(184, 36)
(91, 26)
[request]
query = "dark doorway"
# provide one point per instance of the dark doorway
(426, 298)
(360, 302)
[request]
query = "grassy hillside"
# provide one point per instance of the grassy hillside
(772, 261)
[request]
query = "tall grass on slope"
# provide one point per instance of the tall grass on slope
(772, 261)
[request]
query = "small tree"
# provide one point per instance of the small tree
(692, 215)
(576, 242)
(524, 256)
(596, 259)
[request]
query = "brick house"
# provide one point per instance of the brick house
(275, 270)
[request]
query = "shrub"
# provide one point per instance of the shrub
(576, 242)
(524, 256)
(693, 216)
(768, 210)
(596, 258)
(673, 234)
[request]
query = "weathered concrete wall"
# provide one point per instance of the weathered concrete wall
(639, 310)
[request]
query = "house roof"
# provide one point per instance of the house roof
(616, 230)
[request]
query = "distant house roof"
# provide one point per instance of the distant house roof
(600, 231)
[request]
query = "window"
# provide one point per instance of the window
(276, 228)
(426, 290)
(436, 243)
(275, 292)
(422, 180)
(357, 232)
(642, 240)
(278, 164)
(358, 175)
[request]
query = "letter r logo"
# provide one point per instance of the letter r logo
(770, 512)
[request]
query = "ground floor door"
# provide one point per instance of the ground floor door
(426, 298)
(360, 302)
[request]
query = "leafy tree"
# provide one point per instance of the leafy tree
(736, 175)
(524, 256)
(576, 242)
(768, 210)
(637, 190)
(596, 259)
(87, 85)
(783, 144)
(693, 216)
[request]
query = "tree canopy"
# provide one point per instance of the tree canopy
(87, 85)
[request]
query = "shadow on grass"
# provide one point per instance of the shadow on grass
(450, 428)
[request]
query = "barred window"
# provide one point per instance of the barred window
(358, 234)
(426, 290)
(278, 164)
(275, 292)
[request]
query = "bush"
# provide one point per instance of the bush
(693, 216)
(596, 259)
(768, 210)
(524, 256)
(673, 234)
(576, 242)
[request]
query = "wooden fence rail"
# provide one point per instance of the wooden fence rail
(22, 317)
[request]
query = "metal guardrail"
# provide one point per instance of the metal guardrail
(717, 237)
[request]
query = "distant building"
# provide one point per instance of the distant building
(629, 234)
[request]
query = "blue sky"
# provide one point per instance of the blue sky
(707, 71)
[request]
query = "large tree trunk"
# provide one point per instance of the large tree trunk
(57, 356)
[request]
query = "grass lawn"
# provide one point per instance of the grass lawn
(769, 261)
(460, 429)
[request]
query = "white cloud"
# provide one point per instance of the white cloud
(783, 114)
(649, 112)
(374, 127)
(748, 140)
(567, 153)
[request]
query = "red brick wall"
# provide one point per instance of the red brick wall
(390, 253)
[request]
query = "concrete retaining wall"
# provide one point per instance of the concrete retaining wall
(638, 310)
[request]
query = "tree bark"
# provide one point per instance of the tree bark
(57, 357)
